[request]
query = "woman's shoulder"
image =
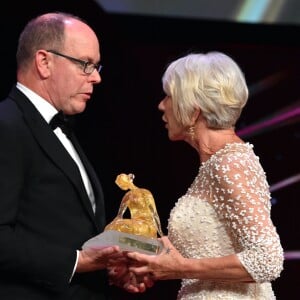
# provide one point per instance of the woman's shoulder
(230, 153)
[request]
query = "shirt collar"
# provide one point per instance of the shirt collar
(43, 106)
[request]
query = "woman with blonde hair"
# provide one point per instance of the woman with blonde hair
(221, 240)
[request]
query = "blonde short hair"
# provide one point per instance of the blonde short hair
(212, 82)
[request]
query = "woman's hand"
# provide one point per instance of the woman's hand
(119, 275)
(167, 265)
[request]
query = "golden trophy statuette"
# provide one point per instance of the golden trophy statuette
(141, 230)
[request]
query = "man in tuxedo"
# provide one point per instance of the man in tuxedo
(51, 201)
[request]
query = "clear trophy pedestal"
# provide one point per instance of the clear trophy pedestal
(126, 242)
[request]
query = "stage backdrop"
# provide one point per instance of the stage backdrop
(122, 130)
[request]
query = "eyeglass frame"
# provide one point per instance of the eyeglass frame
(84, 64)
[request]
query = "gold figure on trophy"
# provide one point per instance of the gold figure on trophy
(144, 219)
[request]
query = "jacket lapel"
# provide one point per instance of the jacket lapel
(99, 197)
(52, 147)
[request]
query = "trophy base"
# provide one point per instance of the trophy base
(126, 241)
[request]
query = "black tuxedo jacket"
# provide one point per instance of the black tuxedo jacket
(45, 213)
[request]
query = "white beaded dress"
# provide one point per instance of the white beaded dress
(226, 210)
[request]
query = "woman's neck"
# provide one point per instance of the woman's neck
(210, 141)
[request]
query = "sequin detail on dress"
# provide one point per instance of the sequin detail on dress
(226, 210)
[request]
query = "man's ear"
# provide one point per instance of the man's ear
(43, 63)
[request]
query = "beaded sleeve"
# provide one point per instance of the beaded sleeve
(241, 198)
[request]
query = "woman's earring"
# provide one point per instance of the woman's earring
(191, 132)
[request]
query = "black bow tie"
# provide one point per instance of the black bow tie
(62, 121)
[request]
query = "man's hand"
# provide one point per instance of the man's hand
(96, 259)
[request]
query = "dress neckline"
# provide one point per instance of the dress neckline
(227, 147)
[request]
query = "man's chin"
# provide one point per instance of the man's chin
(78, 109)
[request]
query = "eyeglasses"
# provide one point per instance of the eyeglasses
(87, 67)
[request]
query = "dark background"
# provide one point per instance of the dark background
(122, 131)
